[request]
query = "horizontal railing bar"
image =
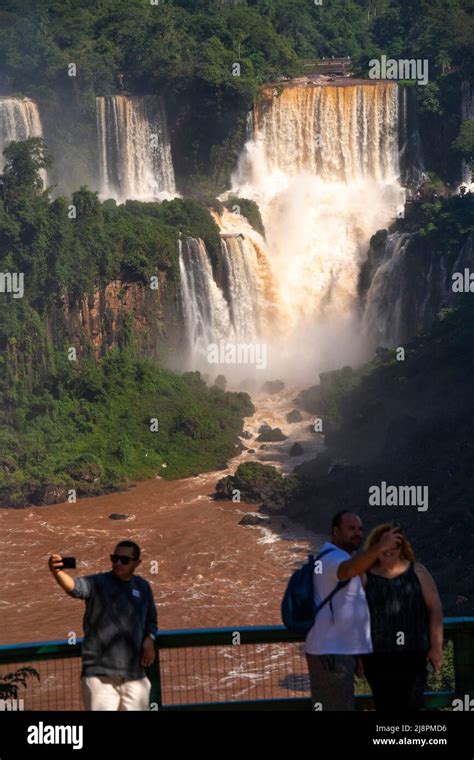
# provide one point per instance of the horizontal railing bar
(44, 651)
(181, 637)
(433, 698)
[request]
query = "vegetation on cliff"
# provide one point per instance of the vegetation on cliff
(69, 422)
(209, 57)
(95, 427)
(193, 42)
(257, 483)
(405, 422)
(247, 208)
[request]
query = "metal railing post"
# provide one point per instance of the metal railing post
(463, 642)
(154, 674)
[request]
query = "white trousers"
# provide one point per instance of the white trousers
(115, 693)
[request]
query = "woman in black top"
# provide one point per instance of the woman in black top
(406, 626)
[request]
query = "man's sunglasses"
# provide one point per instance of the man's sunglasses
(121, 558)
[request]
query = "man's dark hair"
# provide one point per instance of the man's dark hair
(131, 545)
(337, 519)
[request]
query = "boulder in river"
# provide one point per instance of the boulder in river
(252, 519)
(257, 483)
(272, 435)
(246, 434)
(296, 450)
(273, 386)
(294, 416)
(115, 516)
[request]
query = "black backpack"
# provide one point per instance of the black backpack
(298, 609)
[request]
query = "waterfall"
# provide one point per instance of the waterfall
(19, 120)
(134, 148)
(384, 314)
(337, 133)
(467, 113)
(323, 166)
(412, 165)
(206, 312)
(230, 302)
(410, 285)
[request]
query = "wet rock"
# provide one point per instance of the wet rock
(273, 386)
(115, 516)
(256, 483)
(294, 416)
(263, 427)
(46, 494)
(272, 435)
(246, 434)
(296, 450)
(253, 519)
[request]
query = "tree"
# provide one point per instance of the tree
(443, 61)
(464, 142)
(221, 382)
(24, 162)
(10, 682)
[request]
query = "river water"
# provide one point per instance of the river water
(211, 571)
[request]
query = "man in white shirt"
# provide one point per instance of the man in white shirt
(341, 630)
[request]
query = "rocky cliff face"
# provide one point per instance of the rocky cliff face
(405, 283)
(116, 315)
(120, 311)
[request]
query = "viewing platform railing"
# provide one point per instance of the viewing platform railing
(258, 667)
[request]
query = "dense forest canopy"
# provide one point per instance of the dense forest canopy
(181, 42)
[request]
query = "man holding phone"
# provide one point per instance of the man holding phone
(120, 625)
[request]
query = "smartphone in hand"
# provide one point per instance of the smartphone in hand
(69, 563)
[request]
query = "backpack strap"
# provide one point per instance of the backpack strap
(340, 584)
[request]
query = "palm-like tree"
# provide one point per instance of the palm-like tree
(11, 682)
(443, 61)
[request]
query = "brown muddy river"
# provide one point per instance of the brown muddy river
(212, 571)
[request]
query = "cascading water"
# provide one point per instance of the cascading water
(206, 312)
(340, 133)
(19, 120)
(384, 312)
(323, 167)
(134, 148)
(412, 165)
(231, 305)
(409, 286)
(467, 113)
